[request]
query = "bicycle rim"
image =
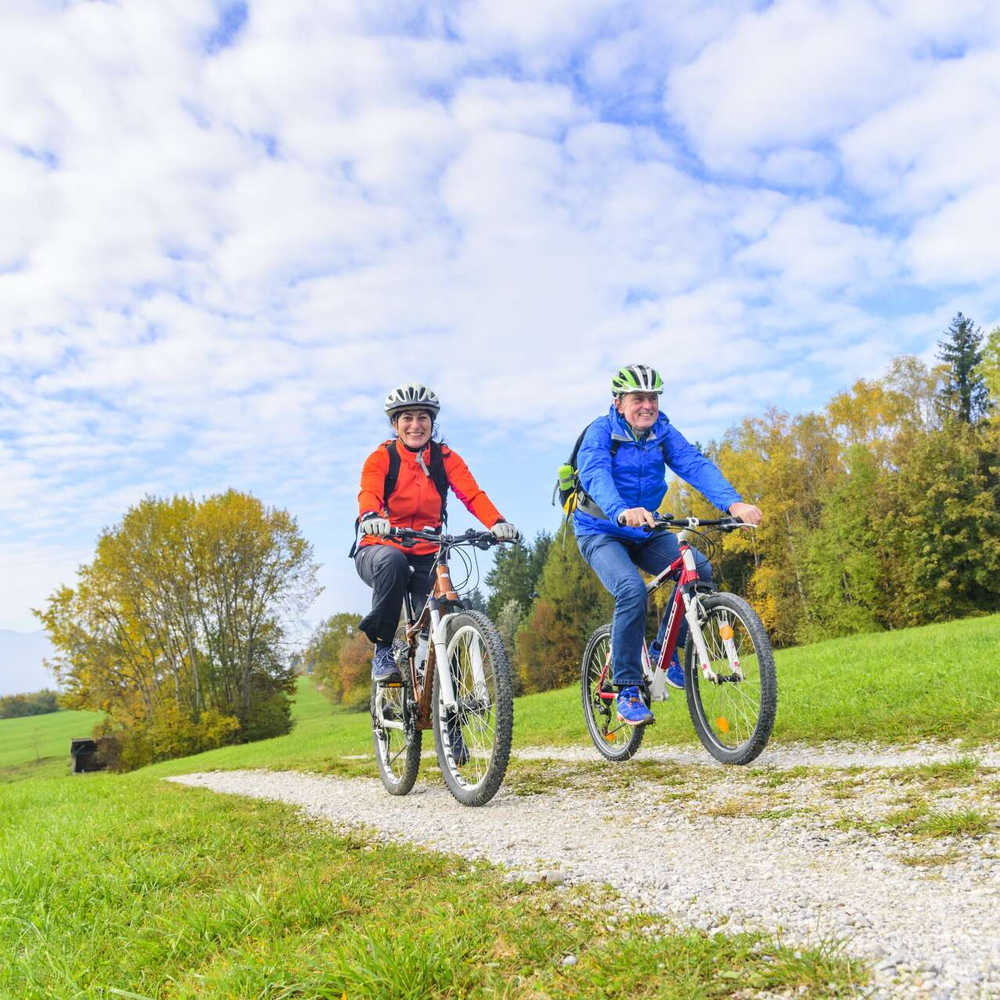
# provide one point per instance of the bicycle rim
(614, 740)
(395, 739)
(484, 717)
(734, 716)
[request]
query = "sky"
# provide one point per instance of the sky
(228, 229)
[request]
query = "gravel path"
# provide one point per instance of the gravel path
(793, 754)
(724, 848)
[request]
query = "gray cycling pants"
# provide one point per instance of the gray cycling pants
(387, 570)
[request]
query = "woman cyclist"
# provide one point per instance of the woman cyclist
(404, 484)
(622, 464)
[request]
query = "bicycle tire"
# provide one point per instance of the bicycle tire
(734, 701)
(486, 717)
(397, 753)
(614, 740)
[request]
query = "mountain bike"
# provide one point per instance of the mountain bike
(729, 675)
(455, 680)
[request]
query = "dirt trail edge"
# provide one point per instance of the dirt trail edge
(732, 853)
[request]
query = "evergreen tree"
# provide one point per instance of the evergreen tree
(474, 600)
(964, 394)
(945, 526)
(515, 573)
(571, 603)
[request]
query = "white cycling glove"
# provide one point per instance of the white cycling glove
(505, 531)
(372, 524)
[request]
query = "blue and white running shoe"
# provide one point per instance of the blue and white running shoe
(384, 668)
(632, 709)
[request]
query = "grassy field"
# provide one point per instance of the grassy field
(39, 744)
(125, 886)
(936, 682)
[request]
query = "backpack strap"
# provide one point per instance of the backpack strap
(440, 477)
(392, 475)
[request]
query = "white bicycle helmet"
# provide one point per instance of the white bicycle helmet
(412, 396)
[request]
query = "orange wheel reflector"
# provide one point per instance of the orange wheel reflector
(726, 631)
(722, 724)
(610, 737)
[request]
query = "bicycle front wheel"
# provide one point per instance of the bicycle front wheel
(473, 741)
(395, 736)
(615, 740)
(734, 714)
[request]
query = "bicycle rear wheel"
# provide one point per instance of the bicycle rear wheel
(473, 742)
(735, 715)
(615, 740)
(395, 736)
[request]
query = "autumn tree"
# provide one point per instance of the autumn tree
(322, 656)
(177, 627)
(989, 369)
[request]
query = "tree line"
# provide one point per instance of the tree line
(177, 630)
(882, 511)
(17, 706)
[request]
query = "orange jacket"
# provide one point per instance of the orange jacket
(415, 502)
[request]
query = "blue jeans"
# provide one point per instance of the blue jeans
(617, 564)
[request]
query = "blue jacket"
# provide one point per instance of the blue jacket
(636, 476)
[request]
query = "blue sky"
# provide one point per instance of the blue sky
(229, 229)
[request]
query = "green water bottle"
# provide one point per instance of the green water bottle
(567, 478)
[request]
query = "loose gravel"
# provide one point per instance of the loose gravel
(811, 854)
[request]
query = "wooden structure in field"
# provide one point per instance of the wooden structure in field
(86, 756)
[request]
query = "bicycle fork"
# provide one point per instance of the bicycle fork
(692, 606)
(439, 631)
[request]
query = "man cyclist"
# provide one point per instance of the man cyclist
(622, 465)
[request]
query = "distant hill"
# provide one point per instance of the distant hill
(21, 655)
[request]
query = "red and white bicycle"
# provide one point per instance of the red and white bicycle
(729, 675)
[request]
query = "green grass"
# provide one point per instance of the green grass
(936, 682)
(128, 886)
(38, 745)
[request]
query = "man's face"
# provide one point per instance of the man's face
(640, 409)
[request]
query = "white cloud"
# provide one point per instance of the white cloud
(214, 264)
(792, 73)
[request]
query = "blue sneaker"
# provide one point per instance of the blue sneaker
(632, 709)
(384, 668)
(675, 672)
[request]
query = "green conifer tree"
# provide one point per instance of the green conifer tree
(963, 395)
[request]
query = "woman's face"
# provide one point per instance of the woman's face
(414, 427)
(640, 409)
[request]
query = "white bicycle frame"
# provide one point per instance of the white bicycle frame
(657, 679)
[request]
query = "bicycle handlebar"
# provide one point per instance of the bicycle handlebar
(665, 521)
(480, 539)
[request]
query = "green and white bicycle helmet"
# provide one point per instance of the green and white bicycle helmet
(636, 378)
(412, 396)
